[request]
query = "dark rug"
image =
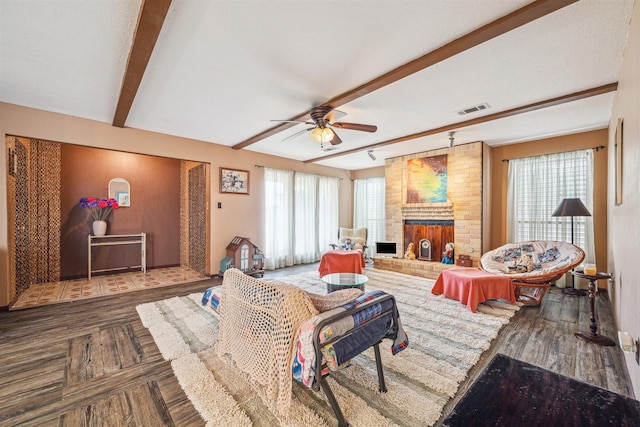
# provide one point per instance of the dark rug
(514, 393)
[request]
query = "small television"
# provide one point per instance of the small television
(386, 249)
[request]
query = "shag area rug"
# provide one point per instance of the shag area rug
(445, 342)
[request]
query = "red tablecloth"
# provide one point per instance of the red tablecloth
(472, 286)
(341, 262)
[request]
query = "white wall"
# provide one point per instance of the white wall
(624, 220)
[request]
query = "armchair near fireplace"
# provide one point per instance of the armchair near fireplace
(351, 239)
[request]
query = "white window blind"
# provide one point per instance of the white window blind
(369, 208)
(536, 187)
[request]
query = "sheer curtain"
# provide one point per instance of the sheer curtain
(301, 217)
(278, 217)
(328, 206)
(536, 187)
(306, 218)
(369, 208)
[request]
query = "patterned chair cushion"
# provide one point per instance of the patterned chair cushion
(547, 256)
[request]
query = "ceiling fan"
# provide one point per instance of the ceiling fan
(323, 120)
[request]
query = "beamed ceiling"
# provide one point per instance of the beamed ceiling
(222, 71)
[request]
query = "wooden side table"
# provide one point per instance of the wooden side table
(593, 335)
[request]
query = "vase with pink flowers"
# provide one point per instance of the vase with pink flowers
(100, 210)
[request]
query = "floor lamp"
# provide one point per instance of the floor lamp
(571, 207)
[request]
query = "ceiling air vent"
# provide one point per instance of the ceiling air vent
(473, 109)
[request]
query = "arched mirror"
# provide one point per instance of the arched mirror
(120, 190)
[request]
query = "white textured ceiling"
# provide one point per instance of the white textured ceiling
(222, 70)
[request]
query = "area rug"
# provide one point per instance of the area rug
(510, 392)
(446, 341)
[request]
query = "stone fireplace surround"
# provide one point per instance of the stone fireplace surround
(464, 207)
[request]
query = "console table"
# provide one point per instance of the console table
(116, 240)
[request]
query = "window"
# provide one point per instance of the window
(244, 257)
(536, 187)
(301, 217)
(369, 208)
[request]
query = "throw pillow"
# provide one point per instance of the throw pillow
(211, 297)
(511, 254)
(334, 299)
(549, 255)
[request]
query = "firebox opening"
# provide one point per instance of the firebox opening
(429, 237)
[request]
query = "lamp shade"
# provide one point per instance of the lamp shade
(327, 135)
(321, 134)
(571, 207)
(316, 134)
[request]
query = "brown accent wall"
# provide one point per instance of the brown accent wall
(499, 179)
(155, 207)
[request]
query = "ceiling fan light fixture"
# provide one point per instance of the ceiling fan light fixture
(327, 135)
(320, 134)
(316, 134)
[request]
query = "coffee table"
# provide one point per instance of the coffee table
(338, 281)
(471, 286)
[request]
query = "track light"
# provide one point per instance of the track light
(451, 138)
(371, 156)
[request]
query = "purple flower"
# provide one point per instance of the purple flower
(100, 208)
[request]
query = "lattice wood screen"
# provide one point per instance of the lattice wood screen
(34, 212)
(193, 217)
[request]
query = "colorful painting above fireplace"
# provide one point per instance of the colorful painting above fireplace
(427, 179)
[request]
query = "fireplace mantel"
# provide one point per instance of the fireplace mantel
(428, 211)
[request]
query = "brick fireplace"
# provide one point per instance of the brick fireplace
(461, 214)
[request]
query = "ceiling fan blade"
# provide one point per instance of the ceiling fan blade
(297, 134)
(293, 121)
(334, 115)
(336, 139)
(355, 126)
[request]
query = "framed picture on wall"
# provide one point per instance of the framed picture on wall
(122, 197)
(234, 181)
(618, 161)
(427, 180)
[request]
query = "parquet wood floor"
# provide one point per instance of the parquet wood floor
(91, 362)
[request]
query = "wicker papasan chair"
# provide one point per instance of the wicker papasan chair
(533, 265)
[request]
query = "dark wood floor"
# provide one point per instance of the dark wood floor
(543, 336)
(92, 362)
